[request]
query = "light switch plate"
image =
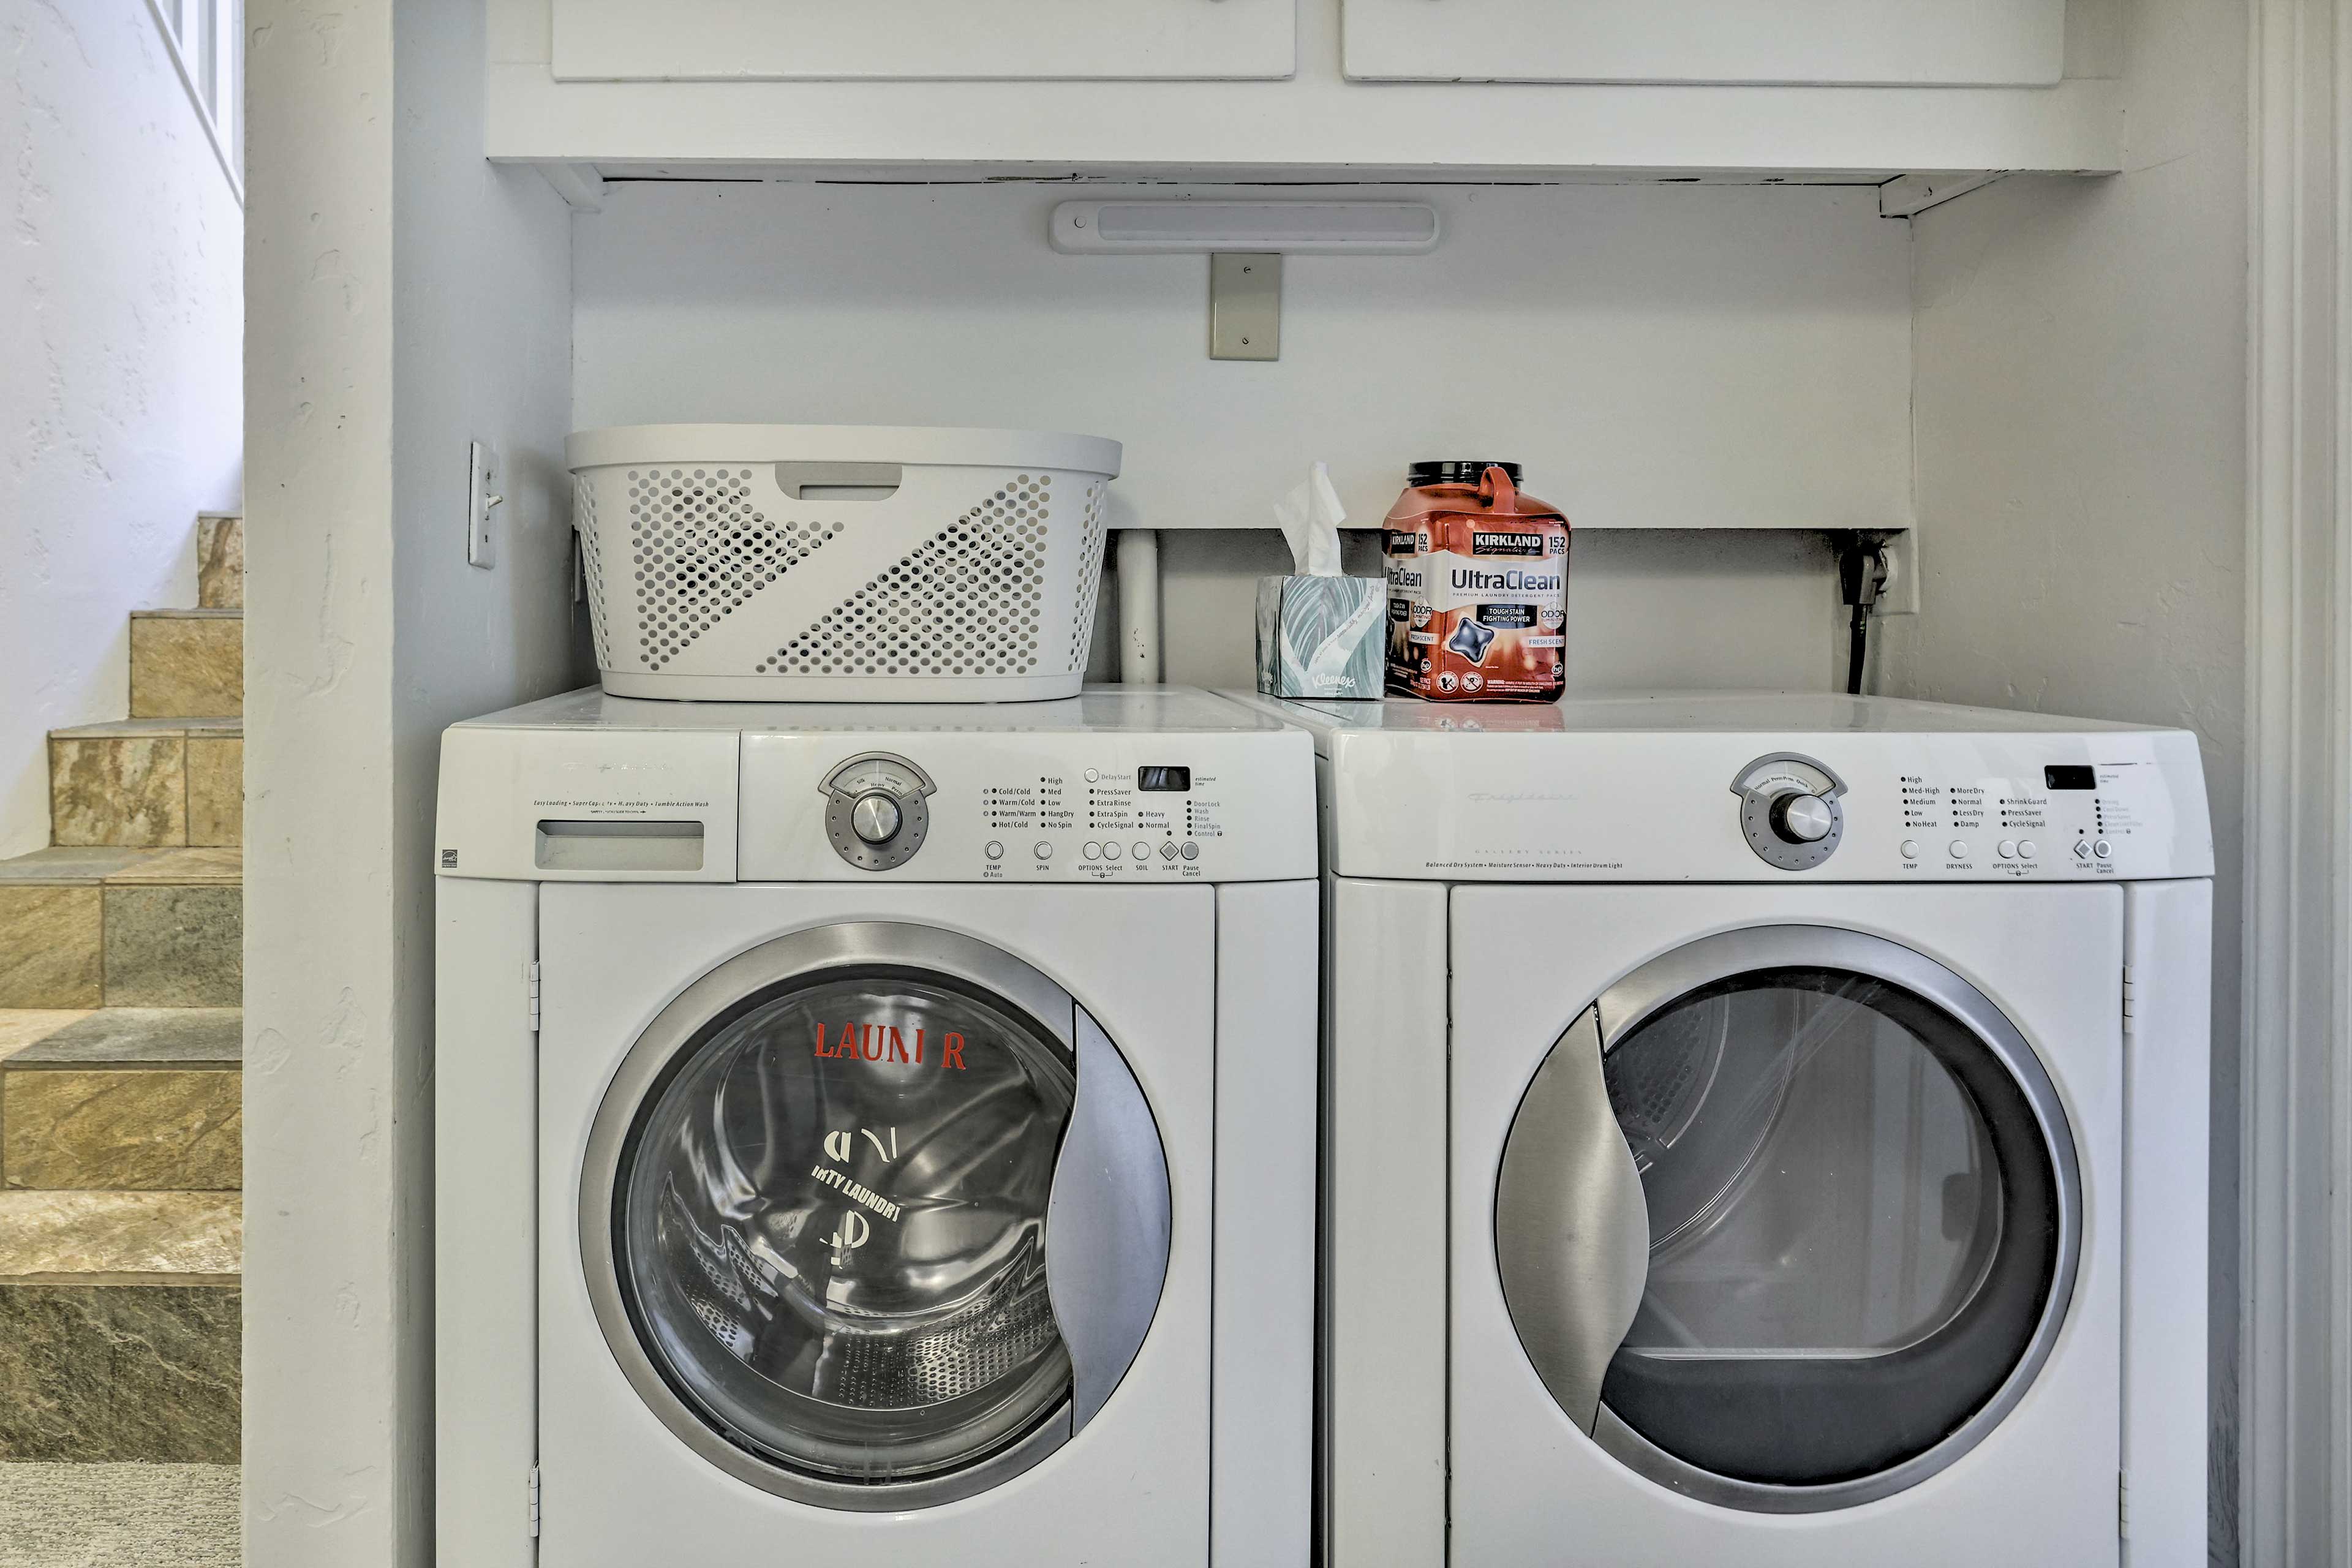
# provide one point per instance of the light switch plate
(482, 498)
(1244, 305)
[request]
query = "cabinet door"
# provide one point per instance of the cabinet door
(714, 40)
(1916, 43)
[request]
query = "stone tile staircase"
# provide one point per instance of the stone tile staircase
(121, 975)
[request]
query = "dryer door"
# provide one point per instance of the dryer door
(874, 1216)
(1789, 1218)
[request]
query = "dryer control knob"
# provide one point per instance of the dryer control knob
(876, 816)
(1802, 818)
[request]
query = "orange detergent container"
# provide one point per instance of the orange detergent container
(1477, 587)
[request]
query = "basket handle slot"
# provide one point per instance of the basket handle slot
(839, 481)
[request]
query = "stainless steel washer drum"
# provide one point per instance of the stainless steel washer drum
(829, 1225)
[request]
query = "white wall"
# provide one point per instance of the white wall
(1659, 357)
(371, 209)
(2081, 357)
(119, 412)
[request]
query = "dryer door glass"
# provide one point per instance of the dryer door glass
(1853, 1227)
(1863, 1218)
(830, 1222)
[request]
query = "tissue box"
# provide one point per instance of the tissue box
(1320, 637)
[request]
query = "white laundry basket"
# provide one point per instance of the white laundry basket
(816, 562)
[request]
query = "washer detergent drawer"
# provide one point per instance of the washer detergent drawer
(1799, 1204)
(863, 1229)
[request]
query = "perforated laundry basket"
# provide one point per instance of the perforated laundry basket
(817, 562)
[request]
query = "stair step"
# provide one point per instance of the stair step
(220, 561)
(85, 928)
(187, 663)
(148, 783)
(124, 1099)
(132, 1238)
(119, 1326)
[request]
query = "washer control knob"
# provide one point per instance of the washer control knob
(876, 811)
(875, 818)
(1801, 818)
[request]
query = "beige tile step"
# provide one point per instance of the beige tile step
(82, 928)
(119, 1323)
(148, 783)
(187, 663)
(128, 1098)
(220, 561)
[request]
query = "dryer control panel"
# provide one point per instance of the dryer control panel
(1753, 787)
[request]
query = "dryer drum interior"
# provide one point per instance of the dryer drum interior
(1863, 1218)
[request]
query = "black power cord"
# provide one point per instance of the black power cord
(1861, 572)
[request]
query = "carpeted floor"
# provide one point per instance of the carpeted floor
(119, 1516)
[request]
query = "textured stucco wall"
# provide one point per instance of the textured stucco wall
(2081, 361)
(417, 298)
(119, 417)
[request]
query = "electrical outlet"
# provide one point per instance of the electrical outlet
(1900, 597)
(482, 501)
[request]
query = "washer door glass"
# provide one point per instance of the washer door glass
(829, 1225)
(1855, 1226)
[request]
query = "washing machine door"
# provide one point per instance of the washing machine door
(874, 1216)
(1789, 1218)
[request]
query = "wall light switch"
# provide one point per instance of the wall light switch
(482, 499)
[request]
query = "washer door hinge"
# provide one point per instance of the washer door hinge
(532, 980)
(2123, 1504)
(534, 1483)
(2131, 999)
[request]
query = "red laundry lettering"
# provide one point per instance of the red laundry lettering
(952, 1052)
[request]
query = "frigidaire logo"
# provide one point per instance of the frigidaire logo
(888, 1043)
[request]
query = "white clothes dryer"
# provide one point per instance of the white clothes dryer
(1808, 1098)
(876, 1136)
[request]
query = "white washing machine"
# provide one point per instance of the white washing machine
(1807, 1096)
(876, 1136)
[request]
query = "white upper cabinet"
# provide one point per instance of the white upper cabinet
(718, 40)
(1830, 89)
(1901, 43)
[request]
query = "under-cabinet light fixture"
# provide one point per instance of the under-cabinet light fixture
(1296, 228)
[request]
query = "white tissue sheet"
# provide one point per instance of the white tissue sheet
(1311, 516)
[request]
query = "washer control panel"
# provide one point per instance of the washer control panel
(945, 806)
(1789, 810)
